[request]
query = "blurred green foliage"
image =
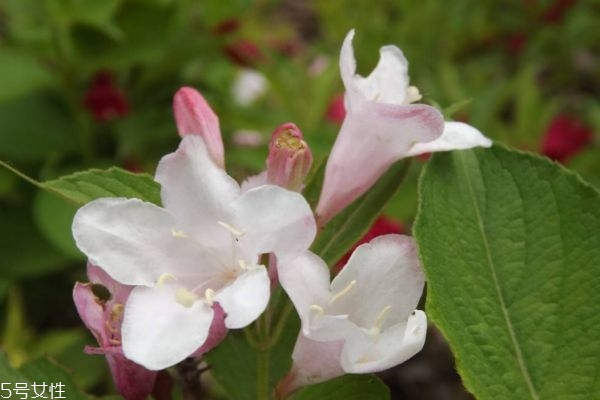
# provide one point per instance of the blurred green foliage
(506, 67)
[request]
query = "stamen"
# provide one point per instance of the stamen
(209, 295)
(178, 234)
(413, 94)
(185, 297)
(116, 312)
(375, 331)
(317, 309)
(342, 292)
(231, 229)
(110, 328)
(114, 341)
(243, 264)
(164, 278)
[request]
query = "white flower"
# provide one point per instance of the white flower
(366, 319)
(203, 247)
(248, 86)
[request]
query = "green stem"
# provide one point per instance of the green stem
(262, 385)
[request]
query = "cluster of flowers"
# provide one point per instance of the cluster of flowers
(180, 276)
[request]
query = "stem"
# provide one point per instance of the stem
(262, 384)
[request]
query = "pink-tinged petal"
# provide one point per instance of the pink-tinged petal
(133, 381)
(194, 116)
(372, 138)
(90, 311)
(273, 220)
(158, 331)
(314, 362)
(289, 158)
(216, 333)
(118, 292)
(246, 298)
(456, 136)
(133, 241)
(305, 278)
(394, 346)
(196, 191)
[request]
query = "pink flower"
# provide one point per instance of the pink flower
(565, 137)
(103, 317)
(382, 127)
(104, 100)
(244, 53)
(194, 116)
(336, 112)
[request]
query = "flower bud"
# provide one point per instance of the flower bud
(194, 116)
(289, 158)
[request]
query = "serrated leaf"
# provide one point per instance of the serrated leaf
(351, 224)
(82, 187)
(347, 387)
(510, 244)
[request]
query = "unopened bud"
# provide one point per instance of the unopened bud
(194, 116)
(289, 159)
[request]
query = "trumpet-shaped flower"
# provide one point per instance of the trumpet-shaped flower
(201, 250)
(381, 127)
(365, 320)
(103, 318)
(194, 116)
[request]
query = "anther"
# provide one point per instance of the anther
(243, 264)
(236, 232)
(317, 309)
(185, 297)
(178, 234)
(342, 292)
(413, 94)
(209, 295)
(164, 278)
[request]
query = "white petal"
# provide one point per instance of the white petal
(159, 332)
(348, 62)
(387, 274)
(246, 298)
(254, 181)
(273, 219)
(456, 136)
(389, 80)
(196, 191)
(305, 278)
(315, 362)
(396, 345)
(132, 241)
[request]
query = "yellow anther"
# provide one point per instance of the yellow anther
(185, 297)
(412, 94)
(178, 234)
(116, 311)
(209, 295)
(317, 309)
(342, 292)
(114, 341)
(236, 232)
(243, 264)
(164, 278)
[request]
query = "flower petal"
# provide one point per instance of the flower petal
(159, 332)
(196, 191)
(305, 278)
(90, 312)
(274, 220)
(394, 346)
(246, 298)
(373, 137)
(387, 274)
(314, 362)
(456, 136)
(132, 241)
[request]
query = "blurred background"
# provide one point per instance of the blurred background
(89, 84)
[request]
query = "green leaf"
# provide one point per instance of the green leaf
(20, 74)
(347, 387)
(82, 187)
(36, 127)
(351, 224)
(510, 246)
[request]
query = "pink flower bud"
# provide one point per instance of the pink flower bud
(289, 159)
(194, 116)
(565, 137)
